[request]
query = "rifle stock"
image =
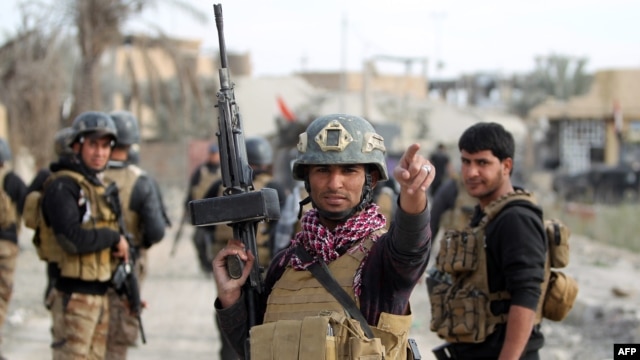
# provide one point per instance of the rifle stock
(240, 207)
(178, 236)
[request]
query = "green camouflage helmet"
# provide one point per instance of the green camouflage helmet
(340, 139)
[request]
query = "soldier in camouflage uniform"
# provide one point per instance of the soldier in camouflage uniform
(85, 228)
(12, 194)
(143, 217)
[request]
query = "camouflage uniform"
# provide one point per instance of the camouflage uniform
(12, 193)
(143, 216)
(75, 207)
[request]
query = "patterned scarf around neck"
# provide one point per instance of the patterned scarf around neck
(322, 243)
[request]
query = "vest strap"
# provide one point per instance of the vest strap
(322, 273)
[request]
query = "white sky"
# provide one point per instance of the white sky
(284, 36)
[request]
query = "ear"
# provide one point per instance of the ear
(375, 176)
(508, 165)
(76, 147)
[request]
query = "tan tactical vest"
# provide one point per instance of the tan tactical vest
(461, 311)
(8, 210)
(47, 247)
(298, 296)
(207, 178)
(95, 266)
(223, 233)
(460, 215)
(125, 178)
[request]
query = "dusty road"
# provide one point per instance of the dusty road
(179, 320)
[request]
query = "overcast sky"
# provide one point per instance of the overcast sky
(285, 36)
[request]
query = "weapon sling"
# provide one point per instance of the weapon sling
(322, 273)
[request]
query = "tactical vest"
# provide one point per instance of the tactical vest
(125, 178)
(223, 233)
(207, 178)
(298, 296)
(47, 247)
(463, 208)
(461, 310)
(8, 210)
(96, 266)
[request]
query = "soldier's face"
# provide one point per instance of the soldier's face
(95, 152)
(484, 174)
(336, 188)
(214, 158)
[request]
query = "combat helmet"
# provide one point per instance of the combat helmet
(62, 140)
(259, 151)
(127, 128)
(340, 139)
(94, 124)
(5, 151)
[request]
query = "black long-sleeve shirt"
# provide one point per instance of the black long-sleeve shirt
(63, 211)
(391, 270)
(516, 252)
(145, 202)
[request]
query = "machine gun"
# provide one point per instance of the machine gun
(241, 206)
(124, 279)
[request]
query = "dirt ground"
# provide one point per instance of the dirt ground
(179, 320)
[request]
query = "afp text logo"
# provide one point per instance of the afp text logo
(626, 351)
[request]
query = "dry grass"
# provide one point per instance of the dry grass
(613, 225)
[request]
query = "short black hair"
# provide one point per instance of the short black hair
(488, 136)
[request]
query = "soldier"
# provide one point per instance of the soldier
(79, 217)
(12, 195)
(144, 220)
(203, 177)
(32, 212)
(502, 285)
(340, 160)
(260, 158)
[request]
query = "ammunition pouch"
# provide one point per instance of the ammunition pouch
(329, 335)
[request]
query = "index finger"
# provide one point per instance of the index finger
(410, 155)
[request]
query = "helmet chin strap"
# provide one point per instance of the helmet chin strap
(365, 199)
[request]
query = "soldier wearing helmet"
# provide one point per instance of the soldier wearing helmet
(80, 219)
(341, 159)
(142, 211)
(12, 194)
(201, 180)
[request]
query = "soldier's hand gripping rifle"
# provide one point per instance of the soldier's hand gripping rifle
(124, 279)
(240, 206)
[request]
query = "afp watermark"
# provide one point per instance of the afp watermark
(626, 351)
